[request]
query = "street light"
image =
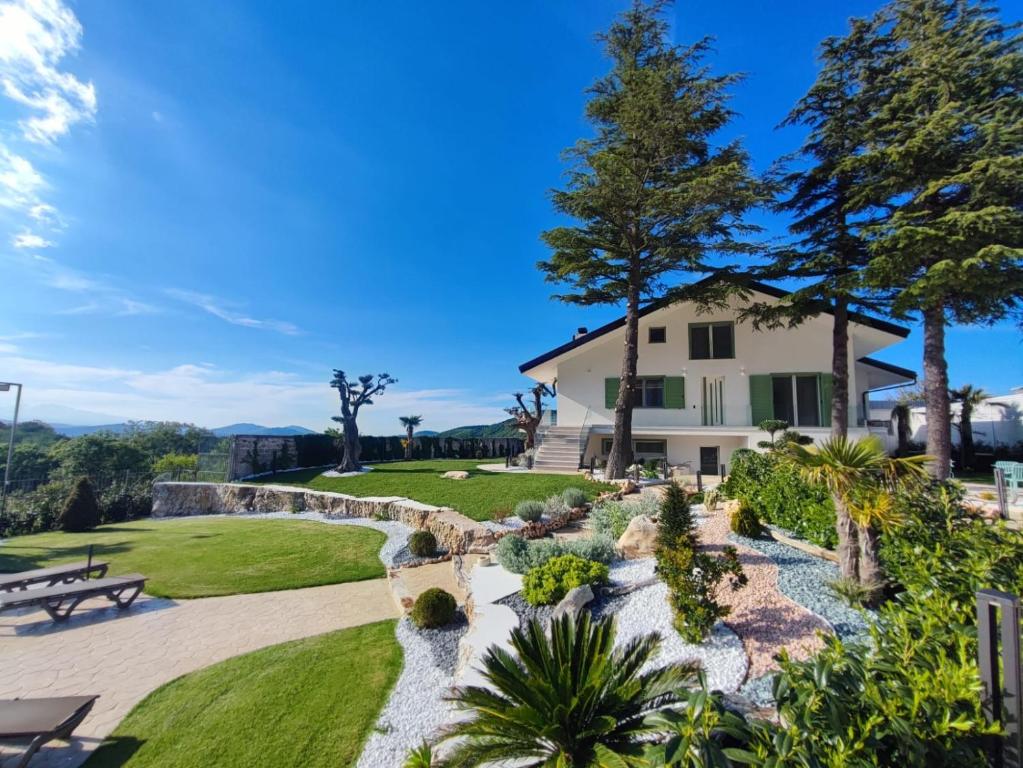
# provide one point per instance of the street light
(5, 386)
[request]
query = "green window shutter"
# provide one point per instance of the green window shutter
(825, 382)
(761, 398)
(611, 392)
(674, 391)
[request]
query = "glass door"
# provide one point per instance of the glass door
(713, 401)
(709, 464)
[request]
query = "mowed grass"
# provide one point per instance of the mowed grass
(480, 497)
(186, 558)
(308, 703)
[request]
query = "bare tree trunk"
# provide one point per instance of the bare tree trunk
(530, 439)
(620, 457)
(939, 422)
(848, 542)
(870, 562)
(840, 369)
(350, 455)
(408, 443)
(966, 449)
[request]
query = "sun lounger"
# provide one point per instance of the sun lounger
(59, 574)
(59, 601)
(38, 721)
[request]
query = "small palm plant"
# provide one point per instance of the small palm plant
(410, 423)
(570, 699)
(861, 476)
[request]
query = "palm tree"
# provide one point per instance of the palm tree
(861, 477)
(410, 423)
(968, 397)
(570, 699)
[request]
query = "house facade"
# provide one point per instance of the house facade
(706, 381)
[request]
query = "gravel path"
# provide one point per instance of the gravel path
(416, 709)
(764, 617)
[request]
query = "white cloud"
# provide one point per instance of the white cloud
(220, 308)
(35, 36)
(30, 240)
(210, 396)
(20, 183)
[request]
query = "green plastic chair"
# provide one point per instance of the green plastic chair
(1006, 467)
(1014, 481)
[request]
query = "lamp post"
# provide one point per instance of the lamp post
(5, 386)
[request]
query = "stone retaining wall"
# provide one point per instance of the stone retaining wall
(454, 531)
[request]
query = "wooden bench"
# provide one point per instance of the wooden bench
(58, 574)
(60, 601)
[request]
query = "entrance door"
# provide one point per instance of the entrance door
(709, 464)
(713, 401)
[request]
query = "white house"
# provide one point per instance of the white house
(706, 382)
(997, 422)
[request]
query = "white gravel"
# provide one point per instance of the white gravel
(335, 473)
(646, 610)
(416, 709)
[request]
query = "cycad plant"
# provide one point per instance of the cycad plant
(410, 423)
(861, 476)
(568, 699)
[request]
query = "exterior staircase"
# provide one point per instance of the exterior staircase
(559, 449)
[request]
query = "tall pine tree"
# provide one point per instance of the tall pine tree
(652, 193)
(944, 162)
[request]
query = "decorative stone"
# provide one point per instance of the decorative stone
(576, 599)
(456, 474)
(627, 485)
(639, 539)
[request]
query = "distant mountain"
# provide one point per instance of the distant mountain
(257, 429)
(505, 428)
(427, 433)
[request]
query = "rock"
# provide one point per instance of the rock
(576, 599)
(456, 474)
(639, 539)
(728, 506)
(627, 485)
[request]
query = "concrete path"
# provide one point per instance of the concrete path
(124, 655)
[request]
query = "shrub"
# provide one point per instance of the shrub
(529, 510)
(711, 499)
(433, 608)
(612, 517)
(80, 511)
(422, 544)
(744, 521)
(574, 498)
(518, 555)
(778, 495)
(548, 583)
(512, 552)
(176, 463)
(555, 507)
(675, 518)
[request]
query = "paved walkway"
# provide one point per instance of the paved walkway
(124, 655)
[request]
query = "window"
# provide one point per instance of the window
(711, 341)
(649, 393)
(656, 447)
(657, 335)
(797, 400)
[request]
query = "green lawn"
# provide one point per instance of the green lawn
(202, 558)
(308, 703)
(984, 478)
(479, 497)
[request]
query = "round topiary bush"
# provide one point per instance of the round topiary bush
(80, 511)
(745, 522)
(433, 608)
(548, 583)
(422, 544)
(574, 498)
(529, 510)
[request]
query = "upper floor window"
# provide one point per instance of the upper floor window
(657, 335)
(649, 393)
(711, 341)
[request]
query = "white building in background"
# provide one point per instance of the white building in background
(706, 382)
(997, 422)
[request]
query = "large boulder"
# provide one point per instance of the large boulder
(456, 474)
(639, 539)
(573, 602)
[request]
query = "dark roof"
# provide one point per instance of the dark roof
(771, 290)
(888, 367)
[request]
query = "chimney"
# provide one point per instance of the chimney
(580, 331)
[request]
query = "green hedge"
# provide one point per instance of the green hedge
(778, 495)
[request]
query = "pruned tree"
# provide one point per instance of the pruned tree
(654, 192)
(968, 397)
(410, 423)
(354, 395)
(528, 419)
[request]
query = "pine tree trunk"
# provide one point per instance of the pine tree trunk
(870, 563)
(350, 455)
(620, 457)
(939, 423)
(840, 369)
(848, 542)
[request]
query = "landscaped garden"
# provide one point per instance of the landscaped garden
(310, 702)
(482, 496)
(207, 557)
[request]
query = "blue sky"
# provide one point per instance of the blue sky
(204, 207)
